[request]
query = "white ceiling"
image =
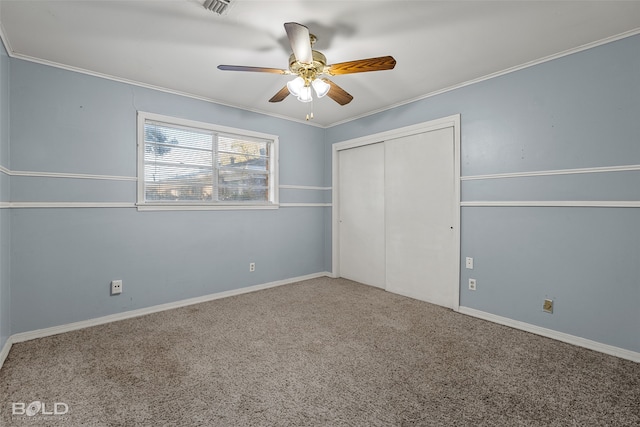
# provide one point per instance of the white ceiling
(177, 44)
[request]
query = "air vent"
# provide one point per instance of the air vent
(217, 6)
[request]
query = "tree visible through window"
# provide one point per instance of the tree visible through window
(185, 164)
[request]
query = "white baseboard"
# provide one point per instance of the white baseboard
(54, 330)
(550, 333)
(5, 351)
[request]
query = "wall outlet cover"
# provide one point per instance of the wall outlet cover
(547, 306)
(469, 263)
(116, 287)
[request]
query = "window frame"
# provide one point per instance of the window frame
(273, 172)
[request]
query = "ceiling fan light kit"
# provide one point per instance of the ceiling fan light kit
(320, 87)
(309, 65)
(300, 88)
(295, 86)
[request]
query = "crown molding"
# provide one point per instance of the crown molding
(490, 76)
(548, 58)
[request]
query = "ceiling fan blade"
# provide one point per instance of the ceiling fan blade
(361, 66)
(254, 69)
(282, 94)
(300, 42)
(338, 94)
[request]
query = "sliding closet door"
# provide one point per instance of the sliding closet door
(361, 214)
(419, 217)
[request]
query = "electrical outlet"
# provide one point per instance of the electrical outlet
(469, 263)
(252, 267)
(116, 287)
(547, 306)
(472, 284)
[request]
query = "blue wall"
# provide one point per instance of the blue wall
(579, 111)
(63, 259)
(5, 214)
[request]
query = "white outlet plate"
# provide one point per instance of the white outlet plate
(116, 287)
(469, 263)
(252, 266)
(472, 284)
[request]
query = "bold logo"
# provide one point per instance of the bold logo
(35, 407)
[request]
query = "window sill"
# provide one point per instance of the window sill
(203, 207)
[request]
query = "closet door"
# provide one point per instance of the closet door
(419, 215)
(361, 214)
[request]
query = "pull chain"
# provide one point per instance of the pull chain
(310, 113)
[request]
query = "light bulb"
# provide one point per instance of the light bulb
(295, 86)
(321, 87)
(305, 94)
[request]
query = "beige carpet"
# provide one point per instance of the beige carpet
(325, 352)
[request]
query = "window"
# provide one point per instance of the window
(184, 164)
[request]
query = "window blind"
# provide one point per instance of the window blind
(191, 165)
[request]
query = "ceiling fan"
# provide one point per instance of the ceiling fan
(308, 65)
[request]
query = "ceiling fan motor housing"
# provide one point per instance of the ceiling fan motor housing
(308, 71)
